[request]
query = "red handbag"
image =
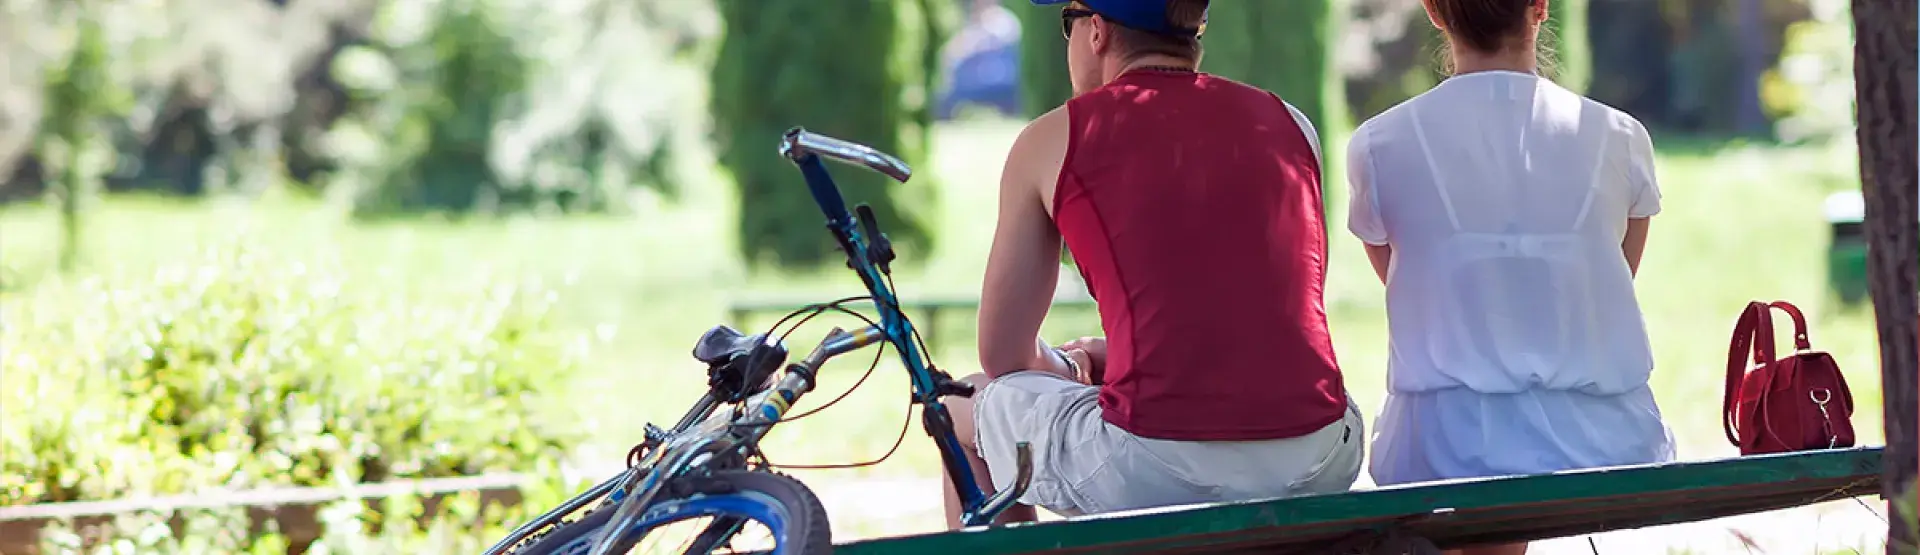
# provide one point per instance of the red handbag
(1798, 403)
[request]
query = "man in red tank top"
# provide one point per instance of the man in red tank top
(1191, 204)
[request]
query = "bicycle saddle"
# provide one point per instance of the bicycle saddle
(723, 343)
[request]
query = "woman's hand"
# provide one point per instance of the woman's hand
(1090, 354)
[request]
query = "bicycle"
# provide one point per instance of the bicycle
(709, 464)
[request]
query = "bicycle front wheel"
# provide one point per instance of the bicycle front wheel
(792, 515)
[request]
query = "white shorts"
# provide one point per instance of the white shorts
(1083, 465)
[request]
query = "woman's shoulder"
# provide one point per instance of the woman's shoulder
(1607, 117)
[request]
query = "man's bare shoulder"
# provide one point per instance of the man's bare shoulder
(1038, 153)
(1044, 138)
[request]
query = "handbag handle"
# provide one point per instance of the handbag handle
(1800, 341)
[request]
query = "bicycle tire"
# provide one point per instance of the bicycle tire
(808, 530)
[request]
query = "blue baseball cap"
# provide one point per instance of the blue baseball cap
(1144, 15)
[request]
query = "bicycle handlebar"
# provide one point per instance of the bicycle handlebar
(841, 342)
(799, 143)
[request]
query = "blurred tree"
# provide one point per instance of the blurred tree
(513, 105)
(1572, 47)
(935, 21)
(1288, 48)
(472, 67)
(1044, 84)
(81, 96)
(829, 66)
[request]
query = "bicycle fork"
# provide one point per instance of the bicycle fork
(977, 510)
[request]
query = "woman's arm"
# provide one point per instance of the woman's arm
(1363, 209)
(1644, 182)
(1381, 256)
(1635, 243)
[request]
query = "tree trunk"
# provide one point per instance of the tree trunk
(1884, 64)
(1749, 117)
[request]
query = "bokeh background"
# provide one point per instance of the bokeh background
(253, 244)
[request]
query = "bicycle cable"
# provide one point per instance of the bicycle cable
(871, 366)
(906, 423)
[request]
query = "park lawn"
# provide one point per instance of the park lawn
(1740, 223)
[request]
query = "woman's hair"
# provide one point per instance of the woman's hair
(1483, 25)
(1490, 26)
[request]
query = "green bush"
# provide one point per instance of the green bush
(239, 371)
(346, 526)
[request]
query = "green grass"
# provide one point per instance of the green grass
(1739, 224)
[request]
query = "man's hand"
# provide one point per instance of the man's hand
(1091, 354)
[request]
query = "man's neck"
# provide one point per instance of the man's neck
(1157, 61)
(1519, 59)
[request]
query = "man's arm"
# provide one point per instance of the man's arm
(1024, 263)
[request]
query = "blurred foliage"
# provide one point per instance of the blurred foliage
(397, 524)
(240, 370)
(80, 97)
(1811, 91)
(835, 67)
(1284, 47)
(1567, 38)
(492, 105)
(1044, 84)
(929, 24)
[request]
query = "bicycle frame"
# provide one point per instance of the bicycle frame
(805, 150)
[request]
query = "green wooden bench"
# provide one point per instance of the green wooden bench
(927, 321)
(1406, 519)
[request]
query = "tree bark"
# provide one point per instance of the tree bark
(1884, 65)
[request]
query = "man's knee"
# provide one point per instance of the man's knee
(961, 410)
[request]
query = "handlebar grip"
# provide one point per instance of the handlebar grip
(840, 342)
(798, 143)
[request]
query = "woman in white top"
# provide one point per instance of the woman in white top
(1506, 216)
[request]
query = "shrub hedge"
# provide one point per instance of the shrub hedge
(238, 371)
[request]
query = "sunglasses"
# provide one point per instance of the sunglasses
(1070, 15)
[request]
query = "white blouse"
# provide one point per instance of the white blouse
(1505, 198)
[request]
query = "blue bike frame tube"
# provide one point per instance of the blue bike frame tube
(899, 330)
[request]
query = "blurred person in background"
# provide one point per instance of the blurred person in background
(981, 63)
(1192, 206)
(1506, 216)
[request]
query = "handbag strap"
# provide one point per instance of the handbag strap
(1752, 343)
(1736, 367)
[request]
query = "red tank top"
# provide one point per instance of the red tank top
(1191, 204)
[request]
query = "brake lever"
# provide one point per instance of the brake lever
(879, 249)
(944, 385)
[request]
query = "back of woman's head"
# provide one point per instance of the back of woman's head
(1487, 26)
